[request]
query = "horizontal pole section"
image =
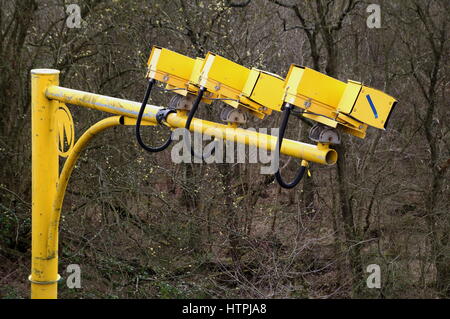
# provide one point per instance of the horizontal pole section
(102, 103)
(314, 153)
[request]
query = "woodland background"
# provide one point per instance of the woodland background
(142, 227)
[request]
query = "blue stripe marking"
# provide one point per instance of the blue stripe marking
(374, 110)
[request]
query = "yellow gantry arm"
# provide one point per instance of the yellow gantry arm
(323, 99)
(101, 103)
(319, 154)
(48, 186)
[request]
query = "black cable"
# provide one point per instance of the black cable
(139, 120)
(188, 125)
(301, 171)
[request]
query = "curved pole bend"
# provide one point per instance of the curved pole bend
(52, 242)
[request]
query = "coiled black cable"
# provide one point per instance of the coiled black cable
(301, 172)
(139, 120)
(188, 125)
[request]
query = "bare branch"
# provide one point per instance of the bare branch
(350, 6)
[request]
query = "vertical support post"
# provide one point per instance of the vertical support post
(45, 170)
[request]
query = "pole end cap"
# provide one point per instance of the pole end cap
(45, 72)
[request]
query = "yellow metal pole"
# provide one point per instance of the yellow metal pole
(313, 153)
(102, 103)
(48, 188)
(320, 153)
(44, 271)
